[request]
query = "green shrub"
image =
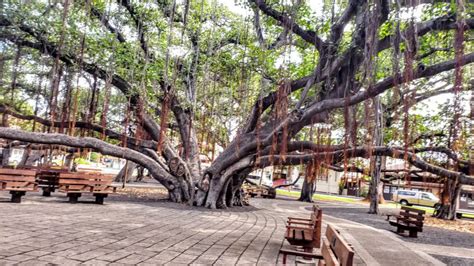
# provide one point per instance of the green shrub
(81, 161)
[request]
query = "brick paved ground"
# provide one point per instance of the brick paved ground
(125, 231)
(49, 230)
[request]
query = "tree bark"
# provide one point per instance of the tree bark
(449, 200)
(125, 174)
(25, 156)
(307, 191)
(374, 190)
(178, 190)
(6, 151)
(69, 160)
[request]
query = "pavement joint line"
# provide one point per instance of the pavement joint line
(429, 258)
(449, 251)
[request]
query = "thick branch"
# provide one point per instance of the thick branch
(287, 22)
(131, 142)
(440, 23)
(100, 146)
(330, 104)
(99, 15)
(366, 152)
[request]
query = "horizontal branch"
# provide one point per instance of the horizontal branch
(441, 23)
(367, 152)
(362, 95)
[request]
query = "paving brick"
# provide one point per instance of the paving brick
(115, 255)
(96, 262)
(134, 259)
(20, 257)
(123, 233)
(4, 262)
(59, 260)
(184, 258)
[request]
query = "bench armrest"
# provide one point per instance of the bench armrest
(290, 227)
(301, 253)
(298, 219)
(303, 223)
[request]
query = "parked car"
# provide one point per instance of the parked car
(408, 197)
(256, 180)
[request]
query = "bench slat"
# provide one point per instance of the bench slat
(18, 183)
(83, 182)
(17, 178)
(84, 188)
(341, 248)
(329, 257)
(6, 171)
(21, 188)
(411, 215)
(409, 209)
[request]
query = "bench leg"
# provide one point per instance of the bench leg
(16, 196)
(413, 233)
(308, 250)
(46, 192)
(73, 197)
(99, 198)
(284, 258)
(400, 230)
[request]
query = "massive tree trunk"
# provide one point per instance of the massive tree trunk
(189, 140)
(6, 151)
(449, 200)
(125, 174)
(68, 162)
(307, 191)
(375, 182)
(25, 156)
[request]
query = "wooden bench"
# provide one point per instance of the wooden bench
(74, 184)
(410, 219)
(305, 232)
(18, 182)
(334, 251)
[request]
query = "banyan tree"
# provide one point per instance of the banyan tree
(278, 83)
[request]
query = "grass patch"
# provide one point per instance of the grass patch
(468, 215)
(320, 197)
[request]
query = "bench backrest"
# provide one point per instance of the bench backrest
(17, 178)
(49, 177)
(316, 219)
(412, 216)
(335, 250)
(96, 180)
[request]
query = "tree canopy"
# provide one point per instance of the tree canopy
(264, 82)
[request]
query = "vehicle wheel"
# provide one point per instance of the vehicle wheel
(404, 202)
(459, 215)
(437, 206)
